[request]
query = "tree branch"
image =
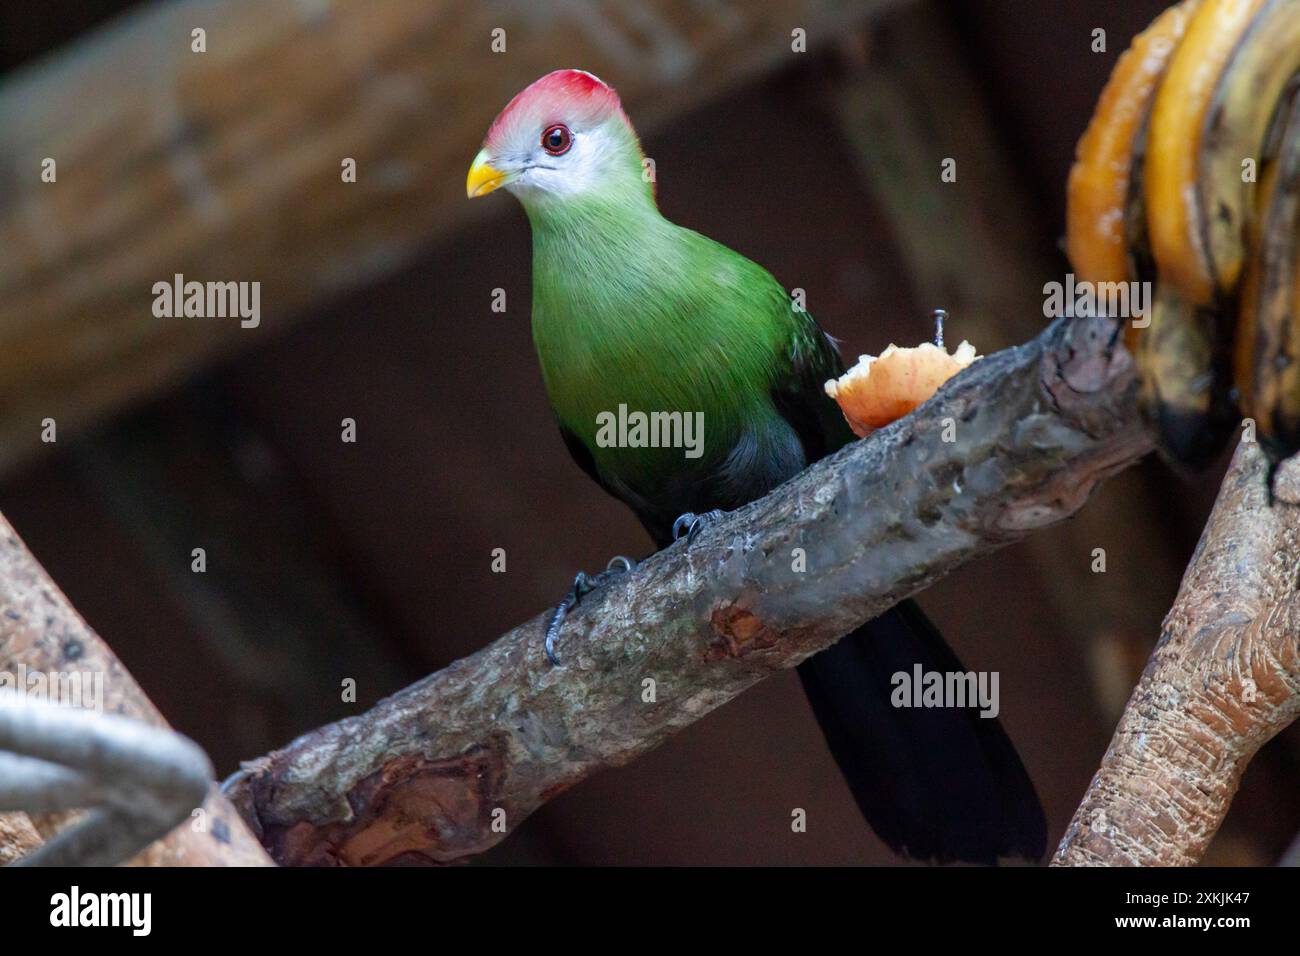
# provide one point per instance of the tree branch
(1223, 680)
(444, 769)
(142, 781)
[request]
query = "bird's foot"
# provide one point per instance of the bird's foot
(583, 585)
(691, 524)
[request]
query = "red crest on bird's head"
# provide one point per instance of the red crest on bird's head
(575, 97)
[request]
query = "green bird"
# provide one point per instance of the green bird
(634, 314)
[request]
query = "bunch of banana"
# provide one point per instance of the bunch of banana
(1188, 177)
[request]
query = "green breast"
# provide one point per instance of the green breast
(658, 346)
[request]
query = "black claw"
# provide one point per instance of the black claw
(693, 524)
(706, 519)
(553, 629)
(583, 584)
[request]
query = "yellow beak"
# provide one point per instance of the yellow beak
(483, 176)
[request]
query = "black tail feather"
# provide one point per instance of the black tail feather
(937, 784)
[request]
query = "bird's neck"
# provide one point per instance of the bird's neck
(594, 255)
(603, 269)
(620, 211)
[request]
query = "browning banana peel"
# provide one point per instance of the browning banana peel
(1275, 398)
(1184, 390)
(1242, 109)
(1243, 360)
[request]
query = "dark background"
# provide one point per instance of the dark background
(372, 560)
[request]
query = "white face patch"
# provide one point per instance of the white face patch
(598, 154)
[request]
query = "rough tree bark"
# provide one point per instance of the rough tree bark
(17, 837)
(1016, 443)
(1223, 680)
(40, 631)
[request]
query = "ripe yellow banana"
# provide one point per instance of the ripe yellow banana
(1244, 104)
(1101, 192)
(1178, 118)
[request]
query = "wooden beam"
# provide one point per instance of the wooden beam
(226, 165)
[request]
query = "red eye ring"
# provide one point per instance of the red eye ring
(556, 139)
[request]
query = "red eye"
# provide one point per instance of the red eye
(557, 139)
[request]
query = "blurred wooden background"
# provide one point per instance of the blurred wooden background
(372, 560)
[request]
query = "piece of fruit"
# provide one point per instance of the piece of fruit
(880, 390)
(1178, 116)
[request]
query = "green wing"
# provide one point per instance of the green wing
(800, 395)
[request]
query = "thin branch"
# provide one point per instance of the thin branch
(444, 769)
(142, 781)
(1223, 680)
